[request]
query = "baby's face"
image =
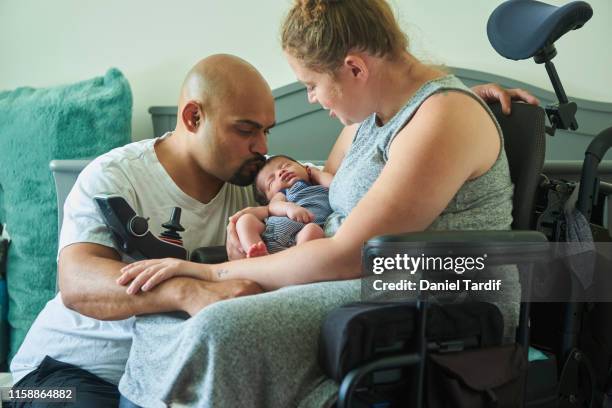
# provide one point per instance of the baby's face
(278, 174)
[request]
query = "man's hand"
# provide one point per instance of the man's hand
(202, 293)
(299, 214)
(494, 93)
(232, 243)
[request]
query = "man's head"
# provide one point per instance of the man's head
(280, 172)
(226, 109)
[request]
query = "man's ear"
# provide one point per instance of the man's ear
(192, 116)
(356, 66)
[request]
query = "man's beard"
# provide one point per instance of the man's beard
(247, 172)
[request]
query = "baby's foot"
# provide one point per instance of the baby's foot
(258, 249)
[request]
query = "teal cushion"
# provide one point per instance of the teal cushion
(37, 125)
(1, 208)
(4, 331)
(4, 327)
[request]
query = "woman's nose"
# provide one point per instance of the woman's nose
(312, 98)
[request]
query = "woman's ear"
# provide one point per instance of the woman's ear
(192, 116)
(357, 66)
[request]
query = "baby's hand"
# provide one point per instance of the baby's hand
(300, 214)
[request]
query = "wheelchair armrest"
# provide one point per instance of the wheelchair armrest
(500, 246)
(209, 255)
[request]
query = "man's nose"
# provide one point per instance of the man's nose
(260, 144)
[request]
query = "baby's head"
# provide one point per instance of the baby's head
(279, 172)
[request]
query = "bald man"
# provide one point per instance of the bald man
(82, 337)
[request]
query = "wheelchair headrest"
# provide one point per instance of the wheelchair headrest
(519, 29)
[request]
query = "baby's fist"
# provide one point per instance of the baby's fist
(299, 214)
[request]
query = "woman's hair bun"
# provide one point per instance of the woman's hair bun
(314, 9)
(321, 33)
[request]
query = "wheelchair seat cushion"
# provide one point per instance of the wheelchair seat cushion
(519, 29)
(358, 332)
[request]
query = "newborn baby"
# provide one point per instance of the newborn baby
(297, 207)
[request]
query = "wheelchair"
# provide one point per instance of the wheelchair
(575, 337)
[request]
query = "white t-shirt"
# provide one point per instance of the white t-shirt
(134, 172)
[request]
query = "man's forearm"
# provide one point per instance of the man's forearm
(91, 289)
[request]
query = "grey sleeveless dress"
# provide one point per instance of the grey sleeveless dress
(261, 351)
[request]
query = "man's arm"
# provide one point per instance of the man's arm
(88, 282)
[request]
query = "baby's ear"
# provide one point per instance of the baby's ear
(259, 196)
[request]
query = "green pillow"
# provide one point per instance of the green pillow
(75, 121)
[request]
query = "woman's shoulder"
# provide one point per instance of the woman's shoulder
(454, 100)
(456, 110)
(456, 124)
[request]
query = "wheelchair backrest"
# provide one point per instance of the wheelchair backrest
(65, 173)
(525, 144)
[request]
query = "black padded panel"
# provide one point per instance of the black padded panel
(525, 144)
(519, 29)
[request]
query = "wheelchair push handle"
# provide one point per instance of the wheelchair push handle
(601, 144)
(589, 182)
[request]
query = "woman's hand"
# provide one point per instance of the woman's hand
(145, 275)
(494, 93)
(320, 177)
(299, 214)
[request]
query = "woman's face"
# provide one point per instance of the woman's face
(278, 174)
(332, 92)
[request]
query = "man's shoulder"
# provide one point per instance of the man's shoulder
(117, 170)
(121, 155)
(121, 158)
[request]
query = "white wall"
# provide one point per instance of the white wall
(154, 43)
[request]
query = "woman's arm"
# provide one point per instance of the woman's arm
(451, 139)
(321, 177)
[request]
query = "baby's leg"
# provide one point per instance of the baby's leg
(309, 232)
(249, 229)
